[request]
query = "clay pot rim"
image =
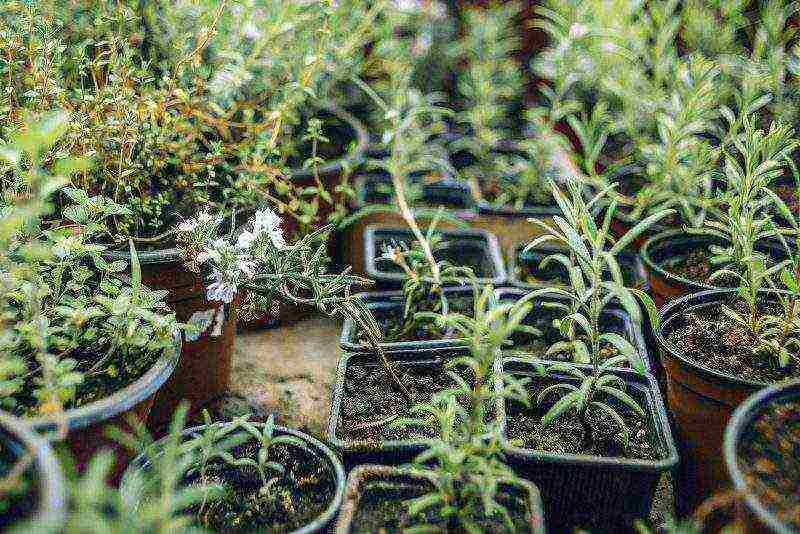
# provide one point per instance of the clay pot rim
(52, 495)
(671, 236)
(121, 400)
(360, 473)
(741, 419)
(669, 312)
(324, 452)
(655, 406)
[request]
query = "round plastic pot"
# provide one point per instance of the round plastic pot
(324, 453)
(753, 515)
(392, 303)
(512, 226)
(666, 286)
(701, 401)
(86, 425)
(204, 370)
(51, 492)
(367, 474)
(612, 319)
(448, 193)
(388, 452)
(481, 244)
(606, 494)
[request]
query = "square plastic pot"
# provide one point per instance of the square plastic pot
(602, 494)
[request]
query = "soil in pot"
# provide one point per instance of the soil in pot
(769, 456)
(369, 406)
(394, 328)
(565, 434)
(382, 508)
(528, 270)
(708, 336)
(292, 499)
(462, 253)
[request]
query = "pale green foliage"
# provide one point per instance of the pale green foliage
(68, 315)
(595, 282)
(757, 158)
(467, 457)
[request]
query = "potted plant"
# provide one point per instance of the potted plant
(85, 347)
(753, 322)
(363, 423)
(34, 490)
(760, 460)
(592, 426)
(182, 113)
(381, 497)
(246, 475)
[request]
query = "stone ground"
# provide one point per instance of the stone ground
(289, 371)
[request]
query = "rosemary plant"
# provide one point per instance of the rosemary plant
(592, 254)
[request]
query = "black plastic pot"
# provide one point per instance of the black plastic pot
(86, 425)
(701, 401)
(671, 244)
(363, 475)
(391, 452)
(391, 303)
(612, 320)
(448, 193)
(633, 272)
(753, 513)
(599, 493)
(512, 226)
(482, 245)
(50, 508)
(320, 524)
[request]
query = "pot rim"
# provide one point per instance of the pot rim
(52, 496)
(490, 245)
(655, 406)
(744, 415)
(121, 400)
(654, 241)
(351, 158)
(670, 311)
(325, 517)
(359, 474)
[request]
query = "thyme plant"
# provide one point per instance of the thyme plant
(592, 254)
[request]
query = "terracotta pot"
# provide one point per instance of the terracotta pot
(752, 514)
(366, 474)
(86, 425)
(204, 370)
(666, 286)
(701, 400)
(16, 438)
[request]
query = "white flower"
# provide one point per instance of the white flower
(221, 290)
(245, 240)
(187, 226)
(268, 221)
(408, 6)
(578, 30)
(251, 31)
(246, 267)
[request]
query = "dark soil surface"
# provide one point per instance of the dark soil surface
(709, 337)
(694, 265)
(393, 323)
(565, 434)
(457, 252)
(292, 500)
(369, 404)
(769, 456)
(382, 508)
